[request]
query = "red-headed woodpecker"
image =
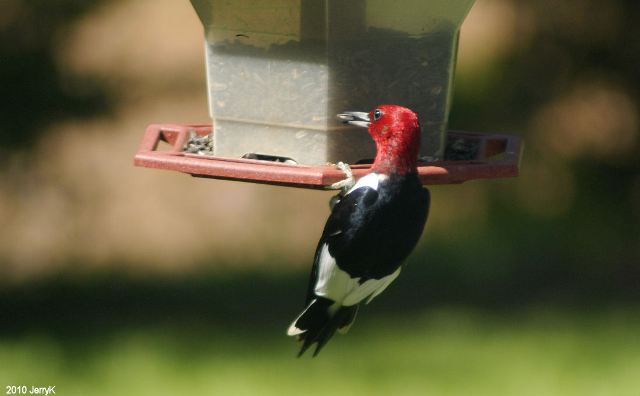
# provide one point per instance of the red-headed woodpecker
(371, 230)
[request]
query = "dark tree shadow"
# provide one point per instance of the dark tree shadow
(34, 90)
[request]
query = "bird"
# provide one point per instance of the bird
(372, 229)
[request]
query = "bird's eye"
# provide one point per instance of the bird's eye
(377, 114)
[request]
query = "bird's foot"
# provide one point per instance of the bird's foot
(345, 184)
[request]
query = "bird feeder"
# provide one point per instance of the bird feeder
(278, 72)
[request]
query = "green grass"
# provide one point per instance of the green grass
(443, 351)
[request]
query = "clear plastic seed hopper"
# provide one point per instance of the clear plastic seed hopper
(278, 72)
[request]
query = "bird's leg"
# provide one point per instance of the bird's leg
(343, 185)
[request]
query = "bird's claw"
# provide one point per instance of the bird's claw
(346, 183)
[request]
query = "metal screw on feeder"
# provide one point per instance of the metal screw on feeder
(278, 72)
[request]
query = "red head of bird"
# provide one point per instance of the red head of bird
(396, 132)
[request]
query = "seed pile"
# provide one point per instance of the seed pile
(199, 144)
(461, 149)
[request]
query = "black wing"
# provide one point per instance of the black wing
(340, 220)
(370, 233)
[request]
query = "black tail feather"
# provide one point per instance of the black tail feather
(318, 325)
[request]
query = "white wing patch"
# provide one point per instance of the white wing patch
(332, 282)
(335, 284)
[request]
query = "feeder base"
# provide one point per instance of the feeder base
(468, 156)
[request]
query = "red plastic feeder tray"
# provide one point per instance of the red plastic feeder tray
(494, 156)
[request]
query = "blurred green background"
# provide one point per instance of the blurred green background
(122, 280)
